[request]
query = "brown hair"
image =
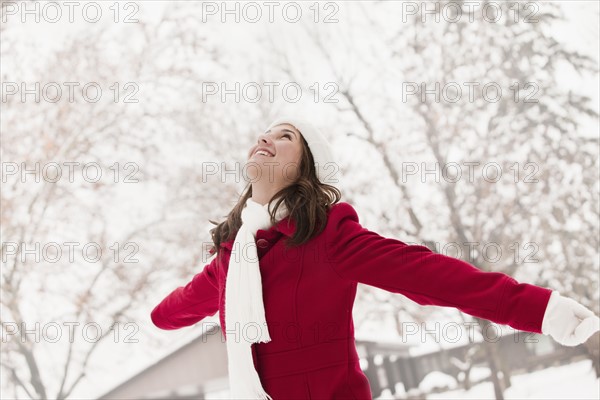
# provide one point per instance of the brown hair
(307, 199)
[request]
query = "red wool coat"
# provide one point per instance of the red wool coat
(309, 292)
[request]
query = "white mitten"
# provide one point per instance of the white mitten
(567, 321)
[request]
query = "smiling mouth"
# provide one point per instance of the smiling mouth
(263, 153)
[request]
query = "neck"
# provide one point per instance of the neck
(262, 194)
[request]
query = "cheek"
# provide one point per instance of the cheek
(291, 164)
(290, 155)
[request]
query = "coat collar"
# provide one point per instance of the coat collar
(286, 226)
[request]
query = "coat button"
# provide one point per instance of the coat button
(263, 243)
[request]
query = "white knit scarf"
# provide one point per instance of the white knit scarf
(244, 309)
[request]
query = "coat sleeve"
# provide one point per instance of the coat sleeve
(429, 278)
(191, 303)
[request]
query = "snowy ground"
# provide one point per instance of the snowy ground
(573, 381)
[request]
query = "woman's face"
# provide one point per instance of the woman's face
(281, 164)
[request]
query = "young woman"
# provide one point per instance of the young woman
(285, 268)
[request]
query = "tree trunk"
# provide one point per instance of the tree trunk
(491, 351)
(592, 346)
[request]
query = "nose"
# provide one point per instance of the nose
(263, 138)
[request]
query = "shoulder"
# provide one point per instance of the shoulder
(342, 230)
(339, 212)
(341, 208)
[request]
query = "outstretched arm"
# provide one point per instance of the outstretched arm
(428, 278)
(191, 303)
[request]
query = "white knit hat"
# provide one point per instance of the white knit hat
(318, 144)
